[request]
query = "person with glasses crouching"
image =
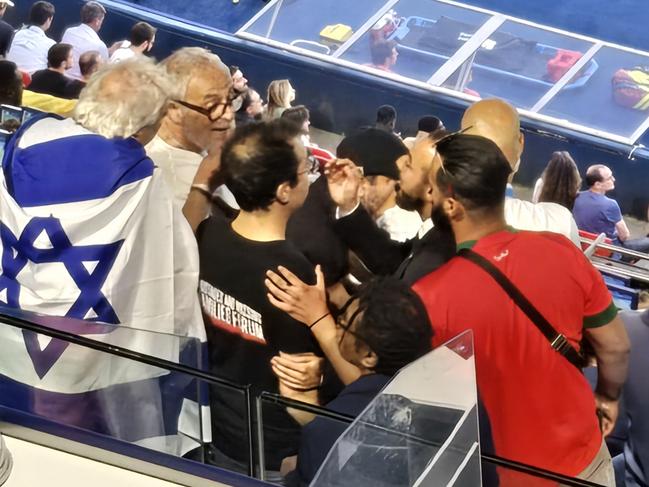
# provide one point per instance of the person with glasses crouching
(381, 329)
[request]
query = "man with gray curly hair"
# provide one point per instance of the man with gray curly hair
(197, 121)
(125, 100)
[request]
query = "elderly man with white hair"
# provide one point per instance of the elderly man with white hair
(197, 120)
(89, 231)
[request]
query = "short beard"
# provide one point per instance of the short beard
(408, 202)
(440, 219)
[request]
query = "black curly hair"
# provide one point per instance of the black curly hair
(393, 322)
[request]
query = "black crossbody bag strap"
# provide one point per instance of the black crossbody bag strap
(557, 340)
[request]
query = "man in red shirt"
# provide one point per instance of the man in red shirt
(541, 409)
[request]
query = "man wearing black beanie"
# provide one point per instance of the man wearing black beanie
(325, 236)
(377, 151)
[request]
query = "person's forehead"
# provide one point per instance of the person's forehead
(422, 154)
(434, 168)
(209, 81)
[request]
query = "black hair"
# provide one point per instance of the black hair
(386, 114)
(91, 11)
(298, 114)
(246, 98)
(88, 61)
(561, 180)
(11, 84)
(475, 171)
(429, 124)
(594, 175)
(40, 13)
(58, 54)
(142, 32)
(234, 69)
(382, 51)
(257, 159)
(393, 322)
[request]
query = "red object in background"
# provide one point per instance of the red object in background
(592, 237)
(561, 63)
(27, 78)
(323, 156)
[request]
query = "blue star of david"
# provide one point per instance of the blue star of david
(16, 252)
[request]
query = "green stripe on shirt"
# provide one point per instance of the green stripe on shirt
(601, 319)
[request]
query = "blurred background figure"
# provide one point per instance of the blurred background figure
(251, 109)
(280, 96)
(425, 127)
(84, 37)
(560, 181)
(386, 118)
(6, 30)
(384, 55)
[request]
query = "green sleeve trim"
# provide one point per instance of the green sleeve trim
(466, 245)
(601, 319)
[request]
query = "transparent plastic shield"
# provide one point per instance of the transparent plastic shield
(421, 430)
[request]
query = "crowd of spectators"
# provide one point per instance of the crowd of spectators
(319, 280)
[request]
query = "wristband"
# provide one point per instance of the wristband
(319, 320)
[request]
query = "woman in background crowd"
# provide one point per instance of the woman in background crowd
(560, 181)
(280, 96)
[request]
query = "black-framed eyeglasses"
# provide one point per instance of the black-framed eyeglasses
(214, 111)
(346, 327)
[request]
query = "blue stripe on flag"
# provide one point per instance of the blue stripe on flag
(72, 169)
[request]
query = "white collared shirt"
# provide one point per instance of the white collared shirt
(83, 39)
(401, 224)
(29, 49)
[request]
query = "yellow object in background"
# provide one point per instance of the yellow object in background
(337, 33)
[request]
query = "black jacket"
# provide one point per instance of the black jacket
(410, 260)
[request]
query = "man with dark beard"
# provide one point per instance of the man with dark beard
(409, 260)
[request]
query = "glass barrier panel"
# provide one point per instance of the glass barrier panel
(520, 63)
(318, 25)
(614, 99)
(427, 34)
(421, 429)
(182, 350)
(75, 385)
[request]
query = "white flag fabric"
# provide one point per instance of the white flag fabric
(89, 231)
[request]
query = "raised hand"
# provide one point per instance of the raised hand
(344, 178)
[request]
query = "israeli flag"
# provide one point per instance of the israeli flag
(89, 231)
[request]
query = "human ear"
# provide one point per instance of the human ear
(453, 208)
(370, 359)
(174, 113)
(283, 193)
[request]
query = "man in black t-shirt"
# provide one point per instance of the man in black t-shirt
(53, 81)
(265, 166)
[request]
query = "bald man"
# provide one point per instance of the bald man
(498, 121)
